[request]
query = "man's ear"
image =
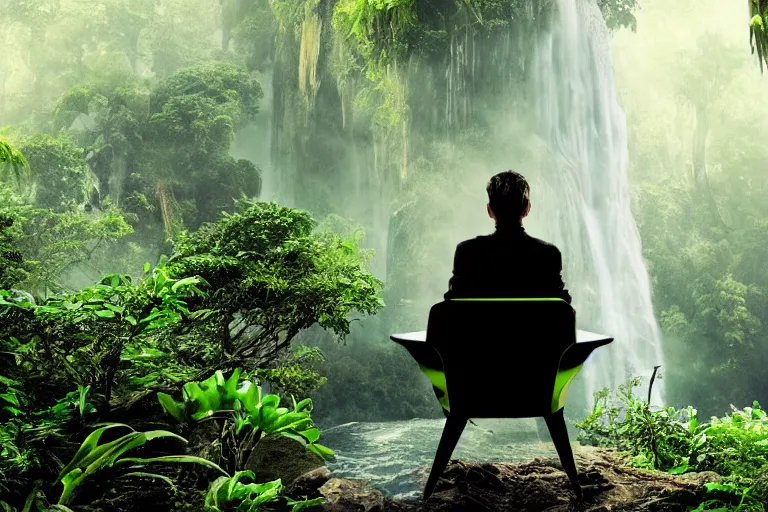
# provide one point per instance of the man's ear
(490, 212)
(527, 210)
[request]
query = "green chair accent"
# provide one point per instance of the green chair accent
(501, 358)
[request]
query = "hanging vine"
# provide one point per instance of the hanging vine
(758, 39)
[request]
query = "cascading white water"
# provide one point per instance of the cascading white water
(586, 194)
(580, 194)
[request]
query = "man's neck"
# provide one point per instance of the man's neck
(509, 228)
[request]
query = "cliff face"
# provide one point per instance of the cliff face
(367, 97)
(408, 106)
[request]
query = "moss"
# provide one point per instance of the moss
(375, 27)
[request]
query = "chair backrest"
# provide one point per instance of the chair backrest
(501, 356)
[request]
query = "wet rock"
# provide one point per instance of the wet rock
(281, 457)
(609, 485)
(308, 485)
(701, 478)
(343, 495)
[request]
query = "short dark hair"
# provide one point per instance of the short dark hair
(508, 196)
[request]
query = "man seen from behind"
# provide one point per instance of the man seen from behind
(509, 262)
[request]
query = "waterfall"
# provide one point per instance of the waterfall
(586, 194)
(536, 96)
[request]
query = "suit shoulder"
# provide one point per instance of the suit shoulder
(473, 242)
(544, 246)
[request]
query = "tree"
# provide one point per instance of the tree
(163, 153)
(39, 244)
(705, 73)
(61, 175)
(273, 277)
(619, 13)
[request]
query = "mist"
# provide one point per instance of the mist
(639, 125)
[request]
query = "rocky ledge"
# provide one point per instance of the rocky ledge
(540, 485)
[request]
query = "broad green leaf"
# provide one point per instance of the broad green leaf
(11, 398)
(171, 406)
(270, 401)
(304, 404)
(678, 470)
(117, 309)
(184, 282)
(292, 420)
(141, 474)
(249, 395)
(295, 437)
(297, 506)
(212, 496)
(312, 434)
(89, 445)
(70, 482)
(322, 451)
(174, 459)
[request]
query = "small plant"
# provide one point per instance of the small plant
(734, 444)
(235, 492)
(92, 457)
(729, 496)
(248, 415)
(655, 439)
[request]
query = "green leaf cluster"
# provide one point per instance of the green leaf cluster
(272, 271)
(217, 396)
(677, 441)
(758, 37)
(92, 457)
(237, 493)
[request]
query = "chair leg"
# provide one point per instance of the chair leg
(559, 434)
(454, 426)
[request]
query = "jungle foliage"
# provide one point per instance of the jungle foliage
(232, 296)
(677, 441)
(758, 37)
(699, 206)
(127, 111)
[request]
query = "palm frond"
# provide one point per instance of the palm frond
(13, 160)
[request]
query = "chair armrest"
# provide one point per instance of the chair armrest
(577, 354)
(571, 363)
(430, 363)
(424, 353)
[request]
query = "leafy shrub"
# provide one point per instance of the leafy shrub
(655, 439)
(228, 493)
(234, 294)
(92, 457)
(735, 446)
(273, 278)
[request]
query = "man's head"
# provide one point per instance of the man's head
(508, 198)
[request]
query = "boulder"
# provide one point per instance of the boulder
(344, 495)
(281, 457)
(308, 485)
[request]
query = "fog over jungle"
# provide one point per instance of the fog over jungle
(640, 126)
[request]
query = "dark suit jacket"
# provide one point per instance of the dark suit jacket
(508, 263)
